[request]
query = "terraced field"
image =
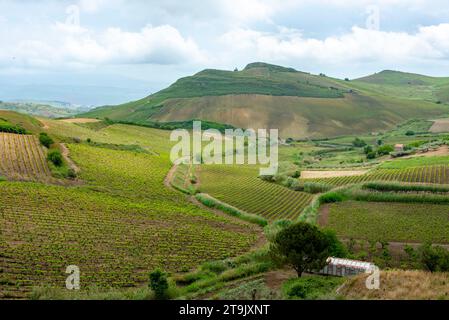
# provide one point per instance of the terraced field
(117, 227)
(402, 222)
(430, 174)
(22, 158)
(240, 187)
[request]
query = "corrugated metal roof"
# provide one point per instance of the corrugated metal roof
(350, 263)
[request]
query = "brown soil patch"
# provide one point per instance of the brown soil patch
(323, 215)
(80, 120)
(440, 125)
(331, 174)
(275, 279)
(441, 151)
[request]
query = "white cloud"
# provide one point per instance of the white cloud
(71, 45)
(359, 45)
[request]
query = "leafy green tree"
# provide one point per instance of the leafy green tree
(336, 247)
(368, 149)
(302, 246)
(371, 155)
(159, 284)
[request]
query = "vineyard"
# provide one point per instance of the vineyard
(22, 158)
(402, 222)
(429, 174)
(117, 227)
(240, 187)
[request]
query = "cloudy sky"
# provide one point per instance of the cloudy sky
(109, 51)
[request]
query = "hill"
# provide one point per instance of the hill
(40, 109)
(299, 104)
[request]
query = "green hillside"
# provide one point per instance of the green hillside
(299, 104)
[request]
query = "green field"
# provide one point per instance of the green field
(117, 224)
(240, 187)
(390, 221)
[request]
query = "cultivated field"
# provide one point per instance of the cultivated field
(22, 158)
(396, 222)
(240, 187)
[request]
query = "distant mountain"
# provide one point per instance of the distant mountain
(49, 109)
(299, 104)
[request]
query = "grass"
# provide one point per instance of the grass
(312, 287)
(401, 222)
(416, 162)
(400, 285)
(401, 187)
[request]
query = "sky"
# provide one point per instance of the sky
(96, 52)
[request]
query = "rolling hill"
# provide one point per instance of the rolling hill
(300, 104)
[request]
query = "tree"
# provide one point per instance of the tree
(410, 133)
(302, 246)
(368, 149)
(371, 155)
(159, 284)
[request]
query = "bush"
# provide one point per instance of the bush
(55, 157)
(410, 133)
(385, 150)
(337, 248)
(71, 174)
(358, 143)
(268, 178)
(398, 187)
(434, 258)
(45, 140)
(368, 149)
(371, 155)
(314, 287)
(315, 187)
(331, 197)
(159, 284)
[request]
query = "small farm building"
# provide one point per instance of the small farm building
(345, 267)
(399, 148)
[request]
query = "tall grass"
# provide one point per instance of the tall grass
(400, 187)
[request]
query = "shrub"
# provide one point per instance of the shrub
(269, 178)
(358, 143)
(331, 197)
(313, 287)
(45, 140)
(302, 246)
(368, 149)
(385, 150)
(336, 247)
(434, 258)
(55, 157)
(159, 284)
(371, 155)
(71, 174)
(410, 133)
(315, 187)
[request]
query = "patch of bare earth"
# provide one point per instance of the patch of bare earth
(441, 151)
(323, 216)
(440, 125)
(80, 120)
(331, 174)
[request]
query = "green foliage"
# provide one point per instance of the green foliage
(358, 143)
(6, 126)
(55, 157)
(385, 150)
(302, 246)
(331, 197)
(337, 248)
(212, 203)
(45, 140)
(312, 287)
(371, 155)
(368, 149)
(315, 187)
(434, 258)
(159, 284)
(410, 133)
(401, 187)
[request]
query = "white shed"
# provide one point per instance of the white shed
(346, 267)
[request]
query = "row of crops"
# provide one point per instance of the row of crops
(430, 174)
(117, 227)
(22, 157)
(240, 187)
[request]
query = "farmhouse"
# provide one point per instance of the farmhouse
(399, 148)
(345, 267)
